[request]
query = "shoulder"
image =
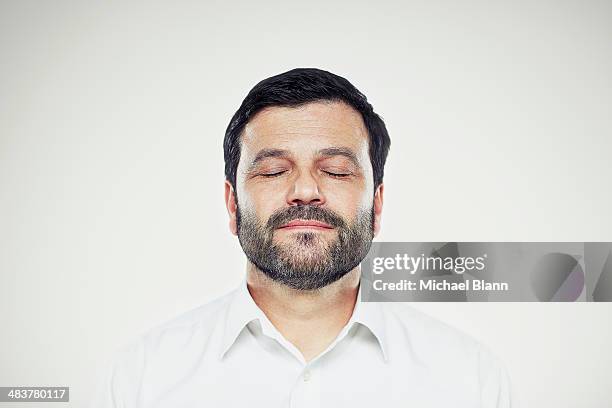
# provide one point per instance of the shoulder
(179, 336)
(204, 317)
(449, 354)
(435, 343)
(422, 329)
(160, 356)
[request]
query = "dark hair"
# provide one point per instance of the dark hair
(298, 87)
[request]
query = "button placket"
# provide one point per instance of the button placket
(307, 390)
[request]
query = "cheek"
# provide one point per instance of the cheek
(349, 202)
(260, 202)
(353, 195)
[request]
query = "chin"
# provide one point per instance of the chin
(308, 240)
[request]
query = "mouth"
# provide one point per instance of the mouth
(306, 224)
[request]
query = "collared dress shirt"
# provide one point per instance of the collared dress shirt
(228, 354)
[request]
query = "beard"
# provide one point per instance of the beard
(307, 261)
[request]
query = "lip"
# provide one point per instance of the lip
(308, 224)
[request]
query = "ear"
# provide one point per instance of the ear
(378, 206)
(230, 204)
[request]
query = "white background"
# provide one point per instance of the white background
(112, 116)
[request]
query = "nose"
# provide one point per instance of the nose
(305, 191)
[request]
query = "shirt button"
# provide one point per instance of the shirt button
(307, 375)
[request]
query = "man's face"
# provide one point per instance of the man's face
(306, 208)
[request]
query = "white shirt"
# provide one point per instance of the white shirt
(228, 354)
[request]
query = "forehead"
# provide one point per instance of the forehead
(311, 126)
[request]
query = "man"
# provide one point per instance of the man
(304, 161)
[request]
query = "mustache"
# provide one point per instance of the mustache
(304, 212)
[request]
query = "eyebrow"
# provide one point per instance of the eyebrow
(340, 151)
(267, 153)
(327, 152)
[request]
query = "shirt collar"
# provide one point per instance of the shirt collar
(371, 315)
(242, 310)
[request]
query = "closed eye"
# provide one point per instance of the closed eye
(273, 174)
(336, 174)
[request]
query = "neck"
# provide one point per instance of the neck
(297, 314)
